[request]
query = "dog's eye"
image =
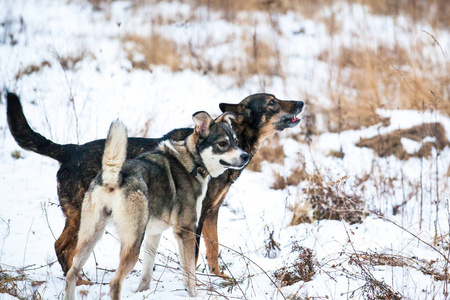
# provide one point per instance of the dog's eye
(223, 144)
(272, 102)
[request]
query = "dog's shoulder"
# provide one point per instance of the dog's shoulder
(167, 155)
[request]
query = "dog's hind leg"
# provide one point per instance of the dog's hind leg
(129, 255)
(66, 243)
(186, 246)
(93, 223)
(130, 216)
(151, 245)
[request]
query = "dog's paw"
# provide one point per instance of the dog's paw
(143, 286)
(223, 275)
(83, 282)
(192, 292)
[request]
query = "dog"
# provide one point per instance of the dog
(258, 116)
(157, 190)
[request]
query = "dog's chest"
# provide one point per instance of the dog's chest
(200, 198)
(180, 212)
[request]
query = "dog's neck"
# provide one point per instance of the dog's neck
(199, 168)
(249, 139)
(187, 149)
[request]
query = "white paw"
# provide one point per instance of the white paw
(192, 292)
(143, 286)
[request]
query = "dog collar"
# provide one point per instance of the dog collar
(199, 170)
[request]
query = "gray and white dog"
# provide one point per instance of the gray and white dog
(148, 194)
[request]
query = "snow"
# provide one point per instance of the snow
(104, 87)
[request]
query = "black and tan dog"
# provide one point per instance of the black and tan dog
(258, 116)
(148, 194)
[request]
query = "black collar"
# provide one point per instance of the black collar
(199, 170)
(199, 167)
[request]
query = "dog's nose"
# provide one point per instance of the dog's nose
(245, 157)
(299, 105)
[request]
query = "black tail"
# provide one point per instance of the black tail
(27, 138)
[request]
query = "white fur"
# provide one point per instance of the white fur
(214, 167)
(211, 162)
(201, 197)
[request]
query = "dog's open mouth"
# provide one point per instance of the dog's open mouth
(231, 166)
(289, 121)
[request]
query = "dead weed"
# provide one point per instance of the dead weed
(363, 79)
(270, 150)
(144, 52)
(11, 284)
(33, 68)
(390, 144)
(427, 267)
(303, 267)
(327, 201)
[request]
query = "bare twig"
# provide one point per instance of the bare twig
(414, 235)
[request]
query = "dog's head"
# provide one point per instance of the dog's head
(217, 144)
(264, 113)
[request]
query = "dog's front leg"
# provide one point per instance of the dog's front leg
(186, 246)
(211, 239)
(151, 245)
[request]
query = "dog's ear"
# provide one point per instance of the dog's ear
(227, 117)
(202, 122)
(234, 108)
(239, 110)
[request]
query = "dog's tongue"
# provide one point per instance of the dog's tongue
(294, 119)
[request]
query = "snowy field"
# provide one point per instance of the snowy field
(403, 253)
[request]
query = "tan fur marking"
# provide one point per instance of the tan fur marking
(210, 237)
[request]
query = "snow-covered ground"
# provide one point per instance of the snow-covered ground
(104, 86)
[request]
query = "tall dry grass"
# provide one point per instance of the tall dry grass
(435, 12)
(145, 52)
(364, 79)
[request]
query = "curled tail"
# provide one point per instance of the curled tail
(115, 154)
(28, 139)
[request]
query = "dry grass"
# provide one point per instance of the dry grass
(144, 52)
(301, 213)
(272, 247)
(327, 201)
(427, 267)
(70, 61)
(298, 174)
(230, 7)
(374, 289)
(385, 77)
(11, 284)
(271, 151)
(390, 144)
(435, 12)
(33, 68)
(16, 154)
(303, 268)
(323, 200)
(261, 58)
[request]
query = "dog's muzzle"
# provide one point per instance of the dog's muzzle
(243, 160)
(291, 119)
